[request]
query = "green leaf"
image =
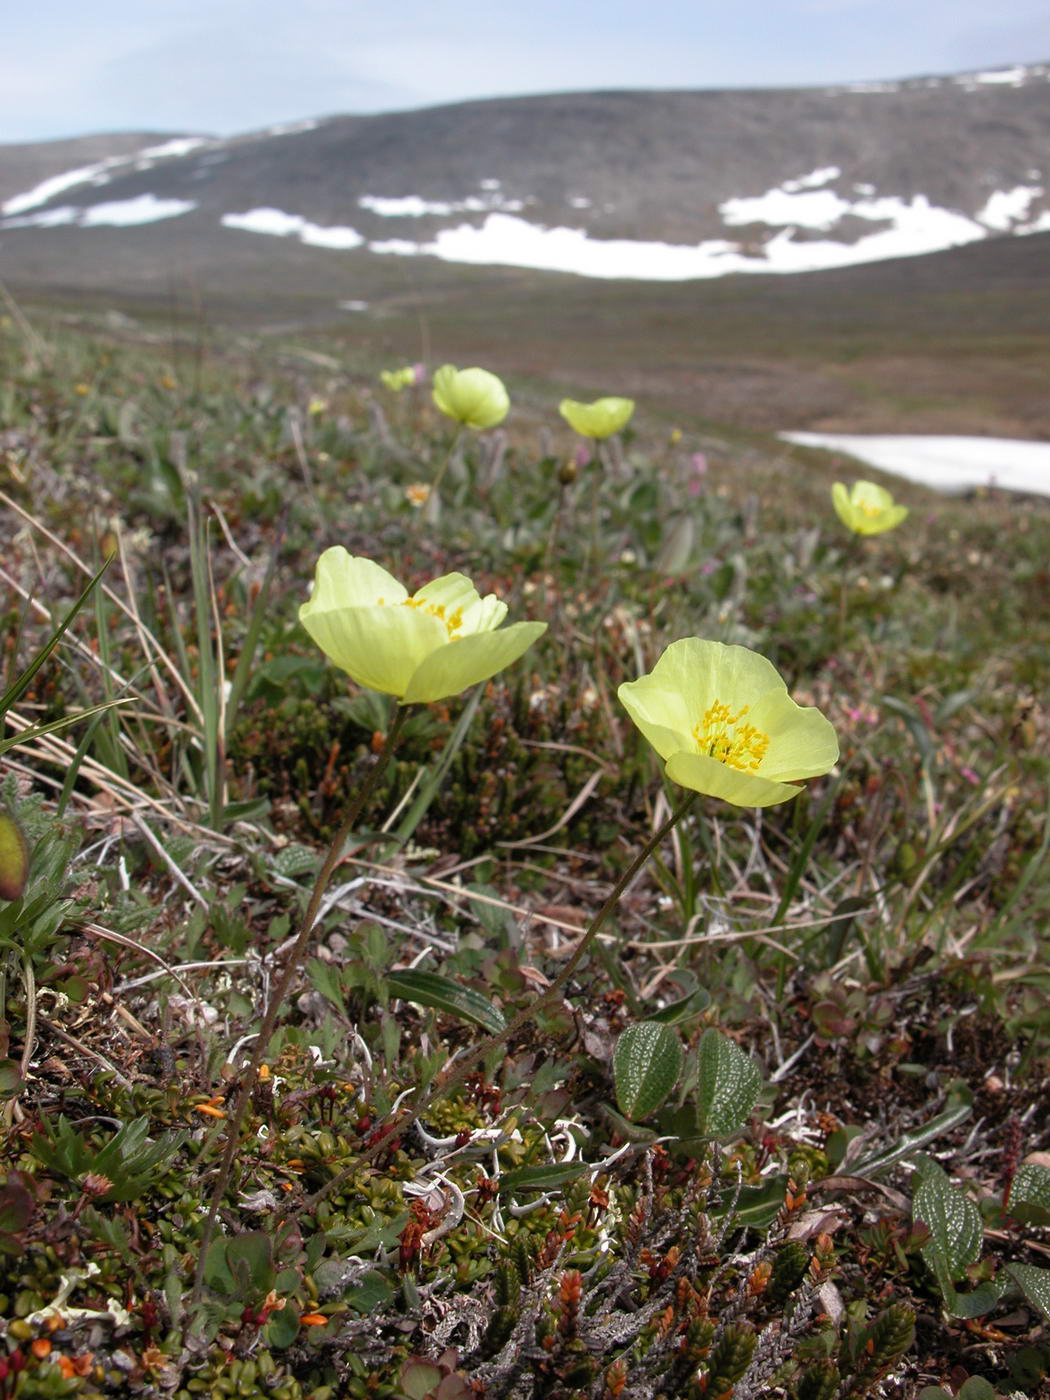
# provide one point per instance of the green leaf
(14, 692)
(541, 1178)
(756, 1206)
(16, 1211)
(371, 1294)
(695, 1004)
(646, 1064)
(39, 730)
(1029, 1201)
(11, 1081)
(430, 989)
(960, 1106)
(249, 1258)
(283, 1327)
(978, 1301)
(976, 1388)
(295, 860)
(419, 1379)
(953, 1220)
(729, 1083)
(1034, 1283)
(956, 1235)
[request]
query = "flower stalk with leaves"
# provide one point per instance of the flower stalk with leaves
(422, 648)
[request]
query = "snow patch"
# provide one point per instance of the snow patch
(353, 306)
(413, 206)
(820, 209)
(813, 180)
(949, 464)
(99, 172)
(117, 213)
(917, 227)
(1005, 208)
(46, 218)
(281, 225)
(47, 189)
(143, 209)
(179, 146)
(1009, 77)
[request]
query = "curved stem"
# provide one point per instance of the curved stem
(448, 458)
(464, 1067)
(280, 991)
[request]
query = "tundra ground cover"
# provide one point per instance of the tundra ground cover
(693, 1171)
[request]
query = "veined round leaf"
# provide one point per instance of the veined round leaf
(1034, 1283)
(1030, 1195)
(729, 1084)
(646, 1065)
(430, 989)
(953, 1220)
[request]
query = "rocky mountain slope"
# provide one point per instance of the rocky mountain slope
(661, 186)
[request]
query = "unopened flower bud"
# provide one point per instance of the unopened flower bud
(14, 857)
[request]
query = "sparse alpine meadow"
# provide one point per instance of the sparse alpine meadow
(489, 911)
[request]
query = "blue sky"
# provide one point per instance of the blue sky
(233, 65)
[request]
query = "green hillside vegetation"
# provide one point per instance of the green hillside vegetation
(467, 1098)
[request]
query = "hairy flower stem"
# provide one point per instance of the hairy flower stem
(280, 991)
(453, 440)
(597, 473)
(445, 1086)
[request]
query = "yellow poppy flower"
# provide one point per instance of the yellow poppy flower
(398, 379)
(599, 419)
(721, 719)
(471, 396)
(867, 509)
(427, 647)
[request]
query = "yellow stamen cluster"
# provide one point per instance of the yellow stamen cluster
(720, 735)
(453, 621)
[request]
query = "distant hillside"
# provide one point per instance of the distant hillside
(649, 185)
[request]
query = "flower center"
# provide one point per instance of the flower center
(453, 621)
(721, 735)
(869, 508)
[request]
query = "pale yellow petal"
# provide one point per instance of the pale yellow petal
(345, 580)
(841, 501)
(868, 495)
(599, 419)
(453, 592)
(802, 743)
(471, 396)
(463, 663)
(485, 615)
(661, 712)
(708, 672)
(703, 774)
(379, 647)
